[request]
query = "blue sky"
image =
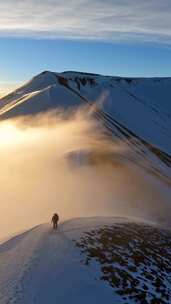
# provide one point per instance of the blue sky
(126, 37)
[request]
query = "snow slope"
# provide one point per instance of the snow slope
(141, 105)
(137, 110)
(45, 266)
(85, 262)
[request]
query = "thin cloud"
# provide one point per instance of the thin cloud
(148, 20)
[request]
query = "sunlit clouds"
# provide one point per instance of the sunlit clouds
(52, 163)
(84, 19)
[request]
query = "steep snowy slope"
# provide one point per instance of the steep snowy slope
(93, 260)
(136, 110)
(132, 102)
(141, 105)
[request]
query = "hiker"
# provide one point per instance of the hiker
(55, 219)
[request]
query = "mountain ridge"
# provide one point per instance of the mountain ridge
(105, 258)
(134, 109)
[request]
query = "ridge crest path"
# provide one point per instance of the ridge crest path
(43, 266)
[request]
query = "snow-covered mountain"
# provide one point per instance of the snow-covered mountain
(137, 110)
(96, 260)
(89, 260)
(141, 105)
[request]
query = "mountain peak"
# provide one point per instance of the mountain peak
(128, 101)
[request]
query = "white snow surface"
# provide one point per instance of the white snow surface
(41, 266)
(44, 266)
(140, 104)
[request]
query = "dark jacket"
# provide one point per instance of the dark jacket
(55, 218)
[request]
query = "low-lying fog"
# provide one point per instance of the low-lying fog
(66, 164)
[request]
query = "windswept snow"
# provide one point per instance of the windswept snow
(43, 266)
(140, 104)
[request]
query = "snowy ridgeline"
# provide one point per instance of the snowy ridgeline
(89, 260)
(140, 105)
(135, 110)
(95, 260)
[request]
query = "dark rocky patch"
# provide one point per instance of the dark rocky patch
(135, 260)
(63, 81)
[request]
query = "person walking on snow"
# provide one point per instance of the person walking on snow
(55, 219)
